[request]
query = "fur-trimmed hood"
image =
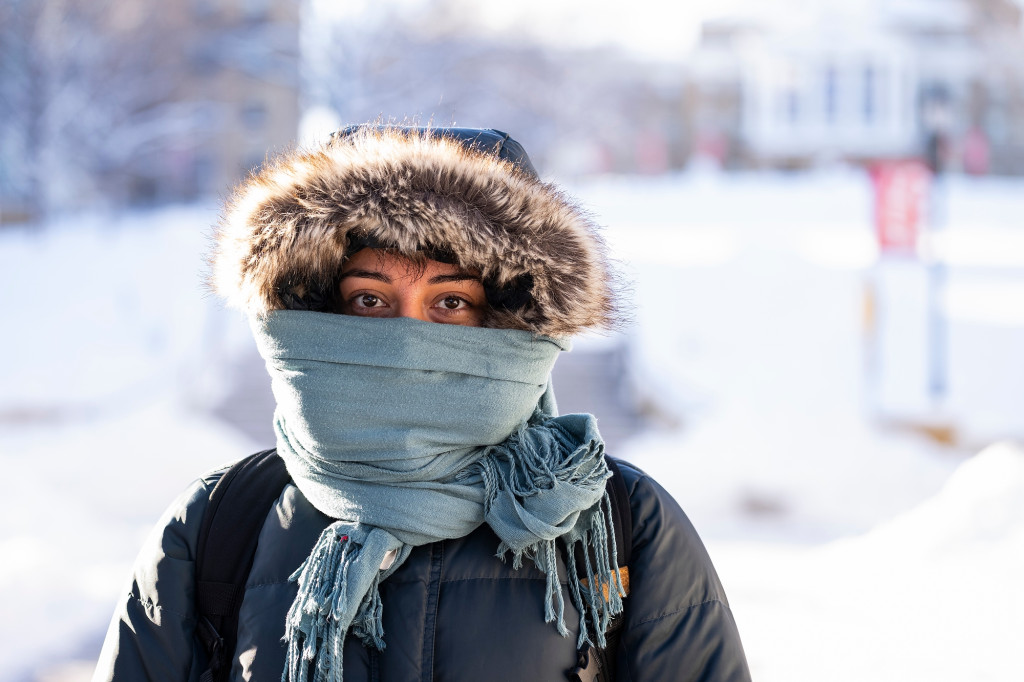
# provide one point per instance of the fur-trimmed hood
(288, 229)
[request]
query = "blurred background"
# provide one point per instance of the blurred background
(819, 204)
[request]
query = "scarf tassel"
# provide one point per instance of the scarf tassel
(597, 595)
(318, 621)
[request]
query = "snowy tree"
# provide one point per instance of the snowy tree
(431, 63)
(87, 94)
(98, 97)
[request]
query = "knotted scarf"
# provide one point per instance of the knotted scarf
(410, 432)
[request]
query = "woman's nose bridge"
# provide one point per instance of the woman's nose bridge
(410, 303)
(414, 311)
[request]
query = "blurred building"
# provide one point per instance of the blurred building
(243, 70)
(862, 81)
(140, 101)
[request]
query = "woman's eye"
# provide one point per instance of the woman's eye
(453, 302)
(368, 301)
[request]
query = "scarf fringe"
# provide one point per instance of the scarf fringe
(597, 595)
(535, 488)
(318, 621)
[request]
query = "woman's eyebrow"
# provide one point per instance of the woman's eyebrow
(367, 274)
(454, 277)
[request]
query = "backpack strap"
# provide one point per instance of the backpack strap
(238, 506)
(598, 664)
(622, 513)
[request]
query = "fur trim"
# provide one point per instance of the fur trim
(285, 232)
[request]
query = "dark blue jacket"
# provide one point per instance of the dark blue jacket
(452, 612)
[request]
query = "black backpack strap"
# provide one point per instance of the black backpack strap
(621, 512)
(594, 664)
(237, 508)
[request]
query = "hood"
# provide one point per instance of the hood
(288, 228)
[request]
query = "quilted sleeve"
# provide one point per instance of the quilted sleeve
(678, 622)
(151, 636)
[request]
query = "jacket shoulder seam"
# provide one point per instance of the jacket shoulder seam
(682, 610)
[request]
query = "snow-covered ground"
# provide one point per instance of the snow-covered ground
(851, 550)
(110, 345)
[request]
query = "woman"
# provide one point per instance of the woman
(410, 290)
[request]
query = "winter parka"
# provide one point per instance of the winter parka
(453, 611)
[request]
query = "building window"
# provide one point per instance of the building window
(868, 98)
(907, 99)
(254, 115)
(255, 9)
(203, 9)
(831, 93)
(204, 174)
(996, 122)
(788, 97)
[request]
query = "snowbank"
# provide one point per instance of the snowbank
(935, 594)
(979, 510)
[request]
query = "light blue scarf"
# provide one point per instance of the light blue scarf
(379, 417)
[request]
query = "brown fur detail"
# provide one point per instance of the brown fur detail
(286, 228)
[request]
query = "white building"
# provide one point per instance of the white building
(852, 79)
